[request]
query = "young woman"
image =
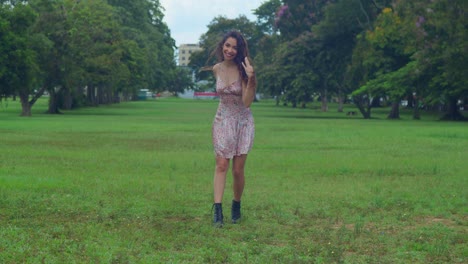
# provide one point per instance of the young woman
(233, 125)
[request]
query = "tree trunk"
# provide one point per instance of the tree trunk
(340, 102)
(324, 100)
(452, 112)
(395, 112)
(25, 106)
(67, 100)
(53, 102)
(117, 97)
(110, 97)
(125, 96)
(91, 95)
(365, 114)
(411, 101)
(100, 95)
(364, 105)
(375, 102)
(416, 113)
(37, 96)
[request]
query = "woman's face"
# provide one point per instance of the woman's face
(230, 49)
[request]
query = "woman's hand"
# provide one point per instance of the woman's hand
(248, 87)
(249, 70)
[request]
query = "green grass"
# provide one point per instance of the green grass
(132, 183)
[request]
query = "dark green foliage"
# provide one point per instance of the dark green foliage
(19, 70)
(101, 52)
(84, 52)
(391, 50)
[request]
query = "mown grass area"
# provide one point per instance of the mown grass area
(132, 183)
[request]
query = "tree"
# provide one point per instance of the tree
(96, 41)
(296, 17)
(148, 49)
(269, 40)
(444, 54)
(389, 37)
(60, 63)
(181, 80)
(7, 42)
(320, 37)
(342, 21)
(266, 15)
(290, 74)
(366, 61)
(19, 70)
(408, 55)
(84, 52)
(100, 51)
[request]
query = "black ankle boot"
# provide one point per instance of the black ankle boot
(235, 211)
(218, 215)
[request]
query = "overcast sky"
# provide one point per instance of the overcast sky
(188, 19)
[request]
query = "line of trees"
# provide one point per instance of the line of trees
(83, 52)
(370, 52)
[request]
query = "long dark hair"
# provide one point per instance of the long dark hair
(242, 50)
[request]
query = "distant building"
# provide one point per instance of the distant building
(185, 51)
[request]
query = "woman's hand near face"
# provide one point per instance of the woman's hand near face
(249, 70)
(248, 87)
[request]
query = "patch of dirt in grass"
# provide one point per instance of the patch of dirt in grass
(444, 221)
(340, 225)
(456, 223)
(451, 223)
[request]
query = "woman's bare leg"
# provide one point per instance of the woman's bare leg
(238, 165)
(222, 166)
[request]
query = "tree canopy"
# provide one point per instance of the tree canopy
(83, 52)
(367, 52)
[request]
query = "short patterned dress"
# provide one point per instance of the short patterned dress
(233, 125)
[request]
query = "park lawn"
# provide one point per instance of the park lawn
(132, 183)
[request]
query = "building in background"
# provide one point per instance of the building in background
(185, 51)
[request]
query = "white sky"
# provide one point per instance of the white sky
(188, 19)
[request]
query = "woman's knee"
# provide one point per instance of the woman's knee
(222, 165)
(238, 166)
(238, 171)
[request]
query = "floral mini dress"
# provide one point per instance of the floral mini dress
(233, 126)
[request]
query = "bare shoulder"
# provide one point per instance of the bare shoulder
(216, 68)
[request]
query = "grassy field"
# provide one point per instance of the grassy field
(132, 183)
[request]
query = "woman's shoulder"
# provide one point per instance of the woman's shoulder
(216, 68)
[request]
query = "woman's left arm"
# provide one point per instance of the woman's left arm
(249, 87)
